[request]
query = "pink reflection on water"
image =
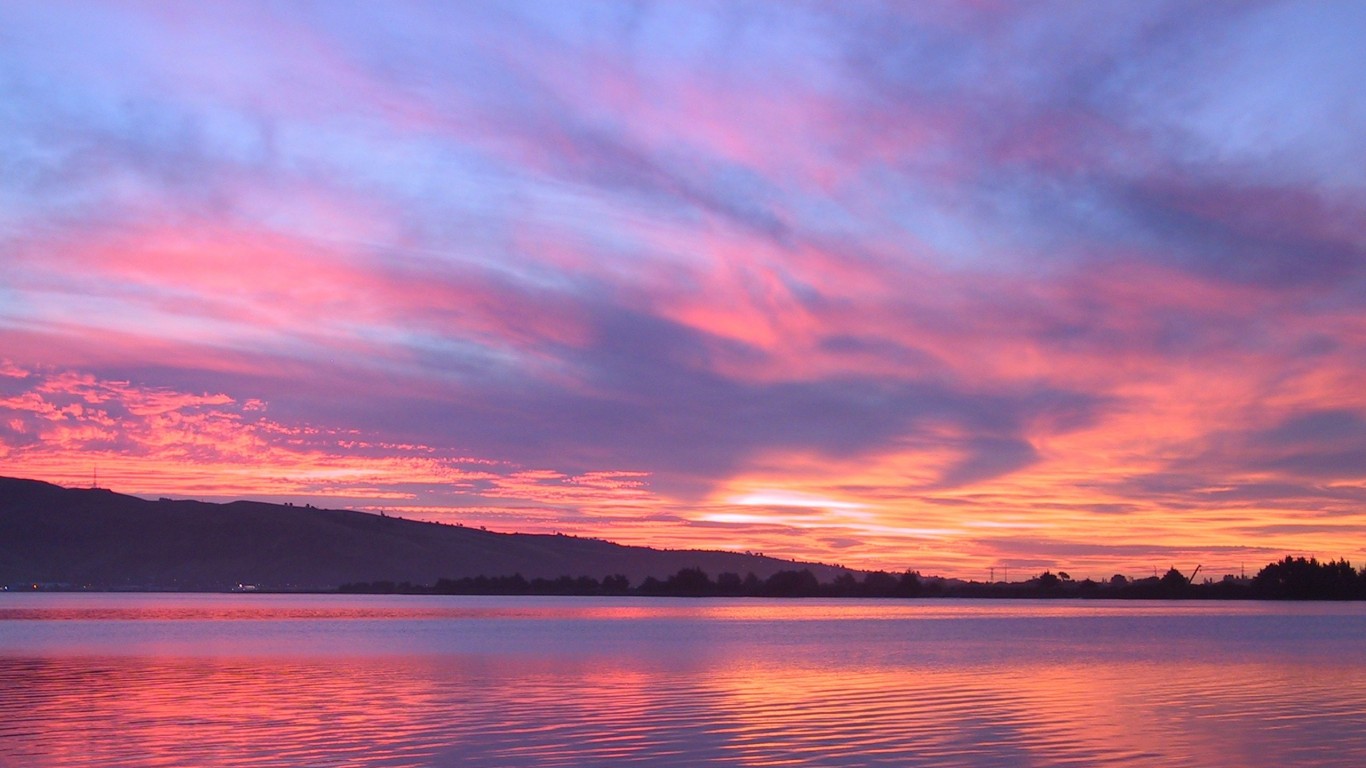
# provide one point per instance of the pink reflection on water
(679, 682)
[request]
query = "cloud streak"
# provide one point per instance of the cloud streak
(991, 280)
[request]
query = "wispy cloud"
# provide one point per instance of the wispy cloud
(973, 270)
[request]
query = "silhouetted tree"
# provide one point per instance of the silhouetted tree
(752, 585)
(844, 585)
(689, 582)
(801, 583)
(1174, 582)
(1295, 578)
(729, 584)
(909, 585)
(880, 584)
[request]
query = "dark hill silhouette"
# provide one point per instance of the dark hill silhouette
(104, 540)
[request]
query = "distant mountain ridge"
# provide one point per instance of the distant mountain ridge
(88, 537)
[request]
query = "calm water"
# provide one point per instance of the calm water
(270, 680)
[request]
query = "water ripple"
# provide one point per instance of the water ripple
(480, 683)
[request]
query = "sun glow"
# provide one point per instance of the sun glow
(793, 499)
(993, 309)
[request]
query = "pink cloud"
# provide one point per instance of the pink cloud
(155, 440)
(954, 287)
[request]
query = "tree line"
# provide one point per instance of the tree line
(688, 582)
(1291, 578)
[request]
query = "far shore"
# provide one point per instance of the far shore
(1288, 579)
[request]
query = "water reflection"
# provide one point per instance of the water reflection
(551, 683)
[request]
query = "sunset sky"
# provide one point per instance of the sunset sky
(950, 286)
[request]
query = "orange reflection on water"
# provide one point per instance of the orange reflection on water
(1109, 714)
(432, 682)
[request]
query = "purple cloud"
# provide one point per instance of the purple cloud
(1105, 258)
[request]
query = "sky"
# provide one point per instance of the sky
(973, 288)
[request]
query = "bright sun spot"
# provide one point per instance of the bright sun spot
(792, 499)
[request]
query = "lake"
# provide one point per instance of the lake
(330, 680)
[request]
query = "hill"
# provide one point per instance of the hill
(99, 539)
